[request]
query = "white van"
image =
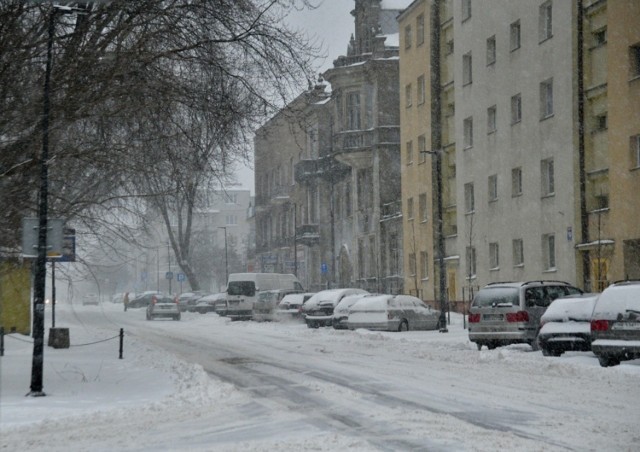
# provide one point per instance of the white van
(243, 290)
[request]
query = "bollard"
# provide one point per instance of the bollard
(121, 341)
(1, 341)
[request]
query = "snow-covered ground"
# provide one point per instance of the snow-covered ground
(310, 390)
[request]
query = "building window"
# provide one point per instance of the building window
(361, 251)
(409, 152)
(469, 199)
(491, 50)
(516, 182)
(422, 206)
(348, 207)
(599, 37)
(634, 60)
(471, 262)
(448, 49)
(365, 193)
(515, 35)
(635, 151)
(231, 220)
(412, 264)
(518, 253)
(516, 109)
(491, 119)
(407, 95)
(545, 22)
(420, 30)
(600, 123)
(421, 90)
(373, 256)
(467, 75)
(548, 180)
(494, 256)
(424, 264)
(407, 37)
(231, 198)
(466, 9)
(353, 111)
(467, 126)
(546, 98)
(292, 171)
(410, 208)
(493, 188)
(422, 149)
(549, 251)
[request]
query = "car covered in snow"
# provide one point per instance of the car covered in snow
(291, 305)
(267, 303)
(566, 325)
(142, 300)
(392, 313)
(163, 306)
(318, 310)
(210, 303)
(341, 311)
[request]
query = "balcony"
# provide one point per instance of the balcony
(308, 234)
(391, 211)
(279, 194)
(326, 168)
(354, 147)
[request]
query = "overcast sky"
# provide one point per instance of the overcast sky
(332, 24)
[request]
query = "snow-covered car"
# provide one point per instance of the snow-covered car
(209, 303)
(188, 300)
(291, 305)
(163, 306)
(267, 303)
(566, 325)
(615, 324)
(142, 300)
(341, 311)
(392, 313)
(318, 310)
(90, 299)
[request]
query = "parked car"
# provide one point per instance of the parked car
(505, 313)
(267, 303)
(163, 306)
(341, 311)
(392, 313)
(142, 300)
(208, 303)
(185, 297)
(615, 324)
(91, 299)
(291, 305)
(566, 325)
(318, 310)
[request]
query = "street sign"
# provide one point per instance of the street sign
(30, 229)
(180, 277)
(324, 268)
(68, 246)
(168, 275)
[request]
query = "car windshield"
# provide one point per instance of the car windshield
(245, 288)
(497, 296)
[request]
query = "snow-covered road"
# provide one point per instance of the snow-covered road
(266, 386)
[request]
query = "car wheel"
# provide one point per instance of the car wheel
(479, 345)
(404, 326)
(176, 317)
(608, 361)
(546, 352)
(492, 345)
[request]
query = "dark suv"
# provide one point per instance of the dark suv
(505, 313)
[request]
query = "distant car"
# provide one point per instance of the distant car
(392, 313)
(504, 313)
(163, 306)
(615, 324)
(291, 305)
(142, 300)
(566, 325)
(264, 309)
(91, 299)
(318, 310)
(188, 300)
(208, 303)
(341, 311)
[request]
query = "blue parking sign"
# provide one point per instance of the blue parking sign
(180, 277)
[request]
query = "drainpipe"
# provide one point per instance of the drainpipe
(584, 215)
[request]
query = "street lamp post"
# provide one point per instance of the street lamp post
(226, 255)
(169, 261)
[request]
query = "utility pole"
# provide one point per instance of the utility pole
(169, 262)
(226, 255)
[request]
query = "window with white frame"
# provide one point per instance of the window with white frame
(635, 151)
(410, 208)
(408, 98)
(548, 177)
(412, 264)
(422, 207)
(518, 253)
(421, 90)
(409, 152)
(422, 149)
(467, 127)
(469, 199)
(467, 69)
(493, 188)
(494, 256)
(491, 119)
(466, 9)
(408, 37)
(515, 35)
(420, 30)
(516, 182)
(545, 21)
(471, 262)
(549, 251)
(353, 111)
(231, 198)
(424, 265)
(491, 50)
(546, 98)
(516, 108)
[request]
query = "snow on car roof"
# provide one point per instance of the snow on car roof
(574, 307)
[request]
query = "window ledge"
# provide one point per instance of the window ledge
(636, 168)
(494, 269)
(543, 118)
(424, 221)
(545, 39)
(550, 270)
(634, 78)
(518, 266)
(517, 195)
(467, 147)
(491, 132)
(548, 195)
(471, 212)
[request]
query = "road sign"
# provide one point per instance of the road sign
(30, 231)
(180, 277)
(168, 275)
(324, 268)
